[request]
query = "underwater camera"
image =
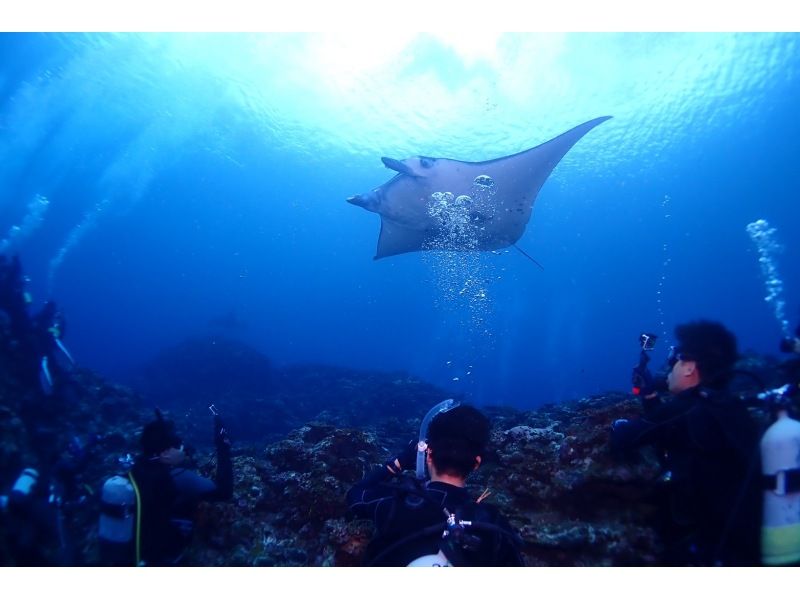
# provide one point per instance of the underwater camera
(643, 382)
(647, 340)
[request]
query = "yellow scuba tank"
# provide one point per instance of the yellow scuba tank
(780, 457)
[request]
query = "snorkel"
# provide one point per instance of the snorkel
(422, 445)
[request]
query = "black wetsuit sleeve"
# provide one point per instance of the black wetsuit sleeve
(648, 429)
(224, 478)
(652, 404)
(366, 498)
(508, 553)
(502, 542)
(193, 487)
(510, 556)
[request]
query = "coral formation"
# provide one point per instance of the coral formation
(549, 469)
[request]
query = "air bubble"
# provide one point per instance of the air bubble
(484, 180)
(34, 216)
(764, 238)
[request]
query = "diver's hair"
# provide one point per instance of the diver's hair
(713, 347)
(456, 437)
(158, 436)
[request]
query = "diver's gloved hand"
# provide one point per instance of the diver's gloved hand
(405, 459)
(646, 385)
(642, 381)
(221, 439)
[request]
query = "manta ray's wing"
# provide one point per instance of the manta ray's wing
(501, 203)
(396, 238)
(517, 180)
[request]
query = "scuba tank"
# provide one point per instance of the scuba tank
(22, 490)
(117, 526)
(780, 457)
(25, 483)
(431, 560)
(455, 544)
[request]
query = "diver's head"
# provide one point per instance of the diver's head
(457, 440)
(791, 345)
(705, 354)
(159, 440)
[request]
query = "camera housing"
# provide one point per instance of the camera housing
(647, 340)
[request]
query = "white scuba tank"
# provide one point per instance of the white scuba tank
(26, 482)
(117, 521)
(780, 456)
(431, 560)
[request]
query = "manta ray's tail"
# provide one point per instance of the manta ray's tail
(527, 256)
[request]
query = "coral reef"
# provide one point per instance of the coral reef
(548, 470)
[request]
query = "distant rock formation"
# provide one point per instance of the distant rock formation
(261, 402)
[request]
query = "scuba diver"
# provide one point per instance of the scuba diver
(707, 443)
(790, 368)
(39, 512)
(791, 345)
(435, 522)
(36, 365)
(31, 345)
(29, 522)
(55, 361)
(165, 495)
(13, 299)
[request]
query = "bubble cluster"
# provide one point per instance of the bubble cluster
(456, 228)
(768, 247)
(666, 260)
(458, 377)
(462, 272)
(87, 223)
(34, 215)
(484, 180)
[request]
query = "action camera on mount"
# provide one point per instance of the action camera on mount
(643, 382)
(647, 340)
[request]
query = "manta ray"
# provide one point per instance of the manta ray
(435, 203)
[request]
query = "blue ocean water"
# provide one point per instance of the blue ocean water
(165, 186)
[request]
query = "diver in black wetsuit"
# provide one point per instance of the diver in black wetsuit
(411, 521)
(708, 445)
(36, 366)
(32, 346)
(170, 492)
(38, 514)
(791, 367)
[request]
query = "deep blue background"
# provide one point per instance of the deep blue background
(189, 176)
